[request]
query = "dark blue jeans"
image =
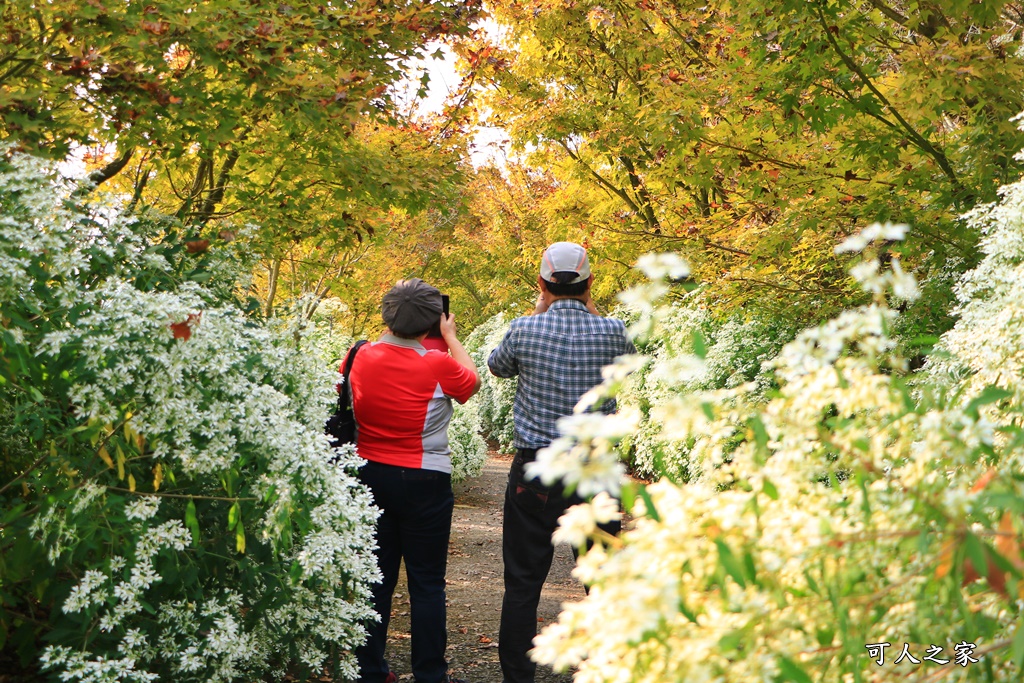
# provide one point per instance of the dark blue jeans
(414, 524)
(531, 517)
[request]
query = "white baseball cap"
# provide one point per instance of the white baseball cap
(565, 257)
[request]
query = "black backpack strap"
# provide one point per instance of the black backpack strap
(345, 395)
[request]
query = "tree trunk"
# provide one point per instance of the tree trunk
(275, 272)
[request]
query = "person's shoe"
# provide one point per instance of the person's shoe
(392, 678)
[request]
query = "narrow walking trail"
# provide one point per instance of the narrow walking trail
(475, 585)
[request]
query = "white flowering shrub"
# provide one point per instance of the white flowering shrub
(330, 345)
(842, 527)
(494, 400)
(170, 508)
(469, 450)
(970, 357)
(730, 353)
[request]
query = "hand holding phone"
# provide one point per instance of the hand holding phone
(435, 331)
(448, 325)
(435, 338)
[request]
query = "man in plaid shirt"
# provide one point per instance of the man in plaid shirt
(558, 353)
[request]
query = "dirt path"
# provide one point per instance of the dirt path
(475, 585)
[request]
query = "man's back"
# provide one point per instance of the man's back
(558, 356)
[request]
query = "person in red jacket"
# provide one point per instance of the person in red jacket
(402, 401)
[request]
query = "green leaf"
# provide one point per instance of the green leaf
(770, 490)
(687, 612)
(790, 671)
(865, 498)
(192, 522)
(652, 511)
(924, 340)
(749, 568)
(989, 394)
(1017, 649)
(811, 582)
(240, 537)
(730, 563)
(628, 495)
(730, 642)
(977, 554)
(700, 347)
(760, 438)
(234, 513)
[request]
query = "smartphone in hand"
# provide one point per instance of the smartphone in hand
(434, 339)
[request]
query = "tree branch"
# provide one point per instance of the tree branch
(216, 194)
(618, 191)
(642, 193)
(889, 12)
(179, 495)
(101, 175)
(923, 143)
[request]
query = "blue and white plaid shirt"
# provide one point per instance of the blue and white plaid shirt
(558, 356)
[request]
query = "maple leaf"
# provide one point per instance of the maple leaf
(157, 28)
(183, 330)
(197, 246)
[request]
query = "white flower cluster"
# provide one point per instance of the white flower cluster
(876, 232)
(580, 522)
(469, 450)
(833, 512)
(142, 508)
(585, 461)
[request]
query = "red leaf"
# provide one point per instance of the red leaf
(157, 28)
(183, 330)
(984, 480)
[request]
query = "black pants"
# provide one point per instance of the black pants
(531, 517)
(415, 523)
